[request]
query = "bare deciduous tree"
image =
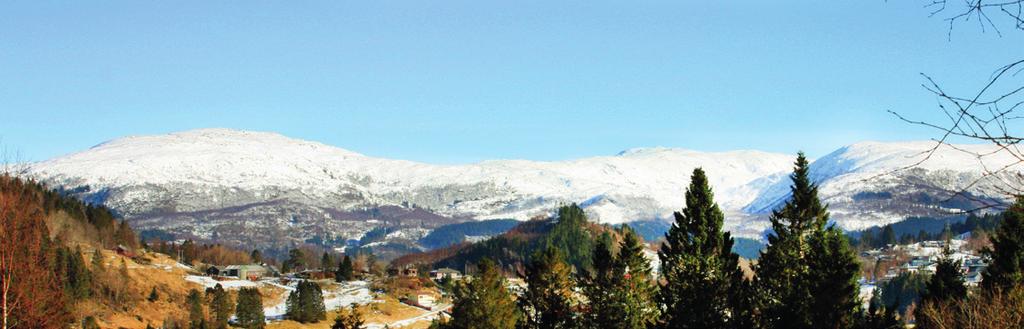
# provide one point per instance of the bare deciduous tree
(991, 113)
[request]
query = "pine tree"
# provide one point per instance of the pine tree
(781, 285)
(83, 278)
(196, 318)
(879, 316)
(1006, 268)
(484, 303)
(570, 236)
(249, 309)
(701, 273)
(220, 307)
(947, 232)
(125, 236)
(256, 256)
(833, 271)
(296, 259)
(944, 286)
(89, 322)
(153, 297)
(188, 252)
(638, 290)
(603, 287)
(306, 303)
(348, 319)
(97, 261)
(344, 272)
(548, 301)
(326, 261)
(889, 235)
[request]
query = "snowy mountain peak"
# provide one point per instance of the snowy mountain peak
(206, 172)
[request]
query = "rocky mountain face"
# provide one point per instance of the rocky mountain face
(270, 190)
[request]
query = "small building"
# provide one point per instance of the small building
(248, 272)
(442, 273)
(423, 300)
(213, 271)
(972, 279)
(124, 251)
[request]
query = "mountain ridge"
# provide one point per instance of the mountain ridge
(164, 176)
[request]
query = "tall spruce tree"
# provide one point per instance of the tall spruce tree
(348, 319)
(637, 286)
(549, 299)
(249, 309)
(944, 286)
(782, 289)
(256, 256)
(701, 273)
(296, 260)
(833, 271)
(484, 303)
(196, 317)
(603, 287)
(326, 262)
(306, 303)
(1006, 268)
(571, 236)
(344, 271)
(220, 307)
(888, 235)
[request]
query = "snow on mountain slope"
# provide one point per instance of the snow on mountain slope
(873, 183)
(265, 185)
(209, 168)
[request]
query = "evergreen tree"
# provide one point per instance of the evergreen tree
(97, 261)
(867, 239)
(70, 266)
(344, 272)
(220, 307)
(484, 303)
(888, 235)
(944, 286)
(638, 290)
(249, 309)
(879, 316)
(701, 273)
(603, 287)
(833, 273)
(1006, 268)
(947, 232)
(326, 261)
(188, 252)
(348, 319)
(153, 297)
(256, 256)
(782, 284)
(296, 259)
(306, 303)
(196, 318)
(125, 236)
(89, 322)
(548, 301)
(571, 236)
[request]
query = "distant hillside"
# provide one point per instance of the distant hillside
(453, 234)
(265, 190)
(63, 271)
(569, 231)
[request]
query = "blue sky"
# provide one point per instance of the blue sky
(462, 81)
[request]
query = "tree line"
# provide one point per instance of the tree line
(806, 277)
(42, 279)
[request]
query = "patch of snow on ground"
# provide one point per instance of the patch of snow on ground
(208, 282)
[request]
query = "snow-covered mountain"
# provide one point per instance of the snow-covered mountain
(220, 181)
